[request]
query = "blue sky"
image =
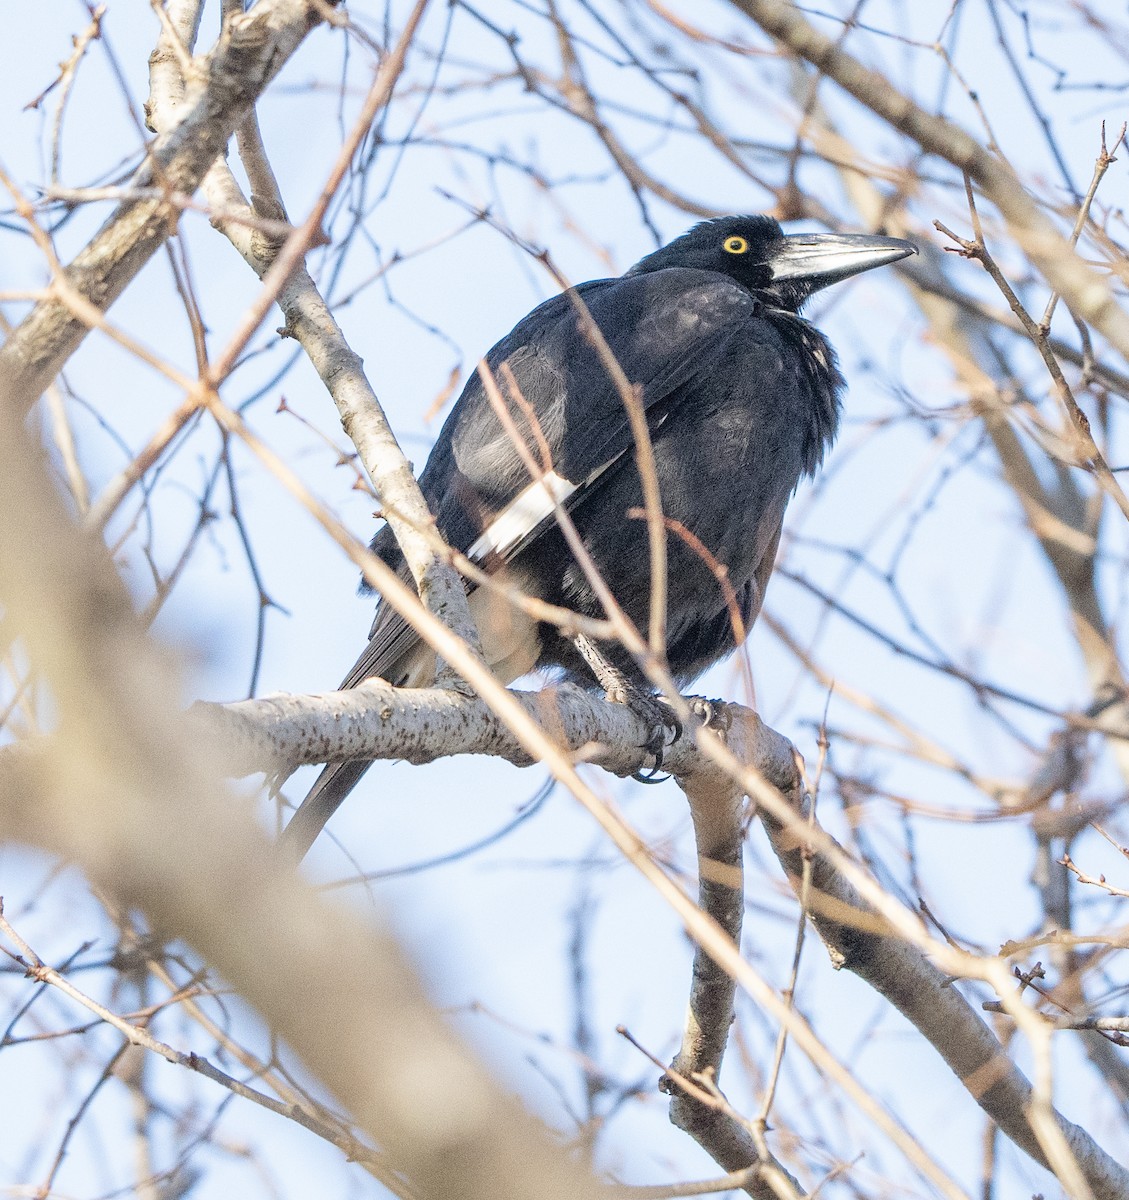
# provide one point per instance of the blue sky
(493, 930)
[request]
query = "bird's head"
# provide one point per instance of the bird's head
(781, 269)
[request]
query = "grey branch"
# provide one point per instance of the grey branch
(860, 941)
(718, 812)
(134, 802)
(376, 721)
(251, 51)
(1084, 291)
(311, 323)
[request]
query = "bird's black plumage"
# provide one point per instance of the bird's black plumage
(742, 400)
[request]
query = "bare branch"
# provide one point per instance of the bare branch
(251, 51)
(1086, 293)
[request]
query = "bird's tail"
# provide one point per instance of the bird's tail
(330, 788)
(395, 653)
(510, 643)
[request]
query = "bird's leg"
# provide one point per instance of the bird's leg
(621, 688)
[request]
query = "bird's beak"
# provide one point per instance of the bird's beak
(819, 259)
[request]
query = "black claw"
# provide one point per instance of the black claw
(656, 744)
(650, 775)
(713, 714)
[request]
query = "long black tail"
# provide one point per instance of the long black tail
(388, 654)
(330, 788)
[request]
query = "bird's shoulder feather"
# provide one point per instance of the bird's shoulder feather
(664, 328)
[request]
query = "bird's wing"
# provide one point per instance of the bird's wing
(664, 328)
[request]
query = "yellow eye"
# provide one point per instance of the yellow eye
(735, 245)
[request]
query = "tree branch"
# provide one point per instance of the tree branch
(1085, 292)
(251, 50)
(133, 801)
(857, 935)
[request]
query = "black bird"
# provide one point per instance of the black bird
(742, 399)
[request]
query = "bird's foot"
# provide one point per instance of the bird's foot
(713, 714)
(662, 721)
(665, 729)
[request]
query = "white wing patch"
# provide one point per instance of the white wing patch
(522, 515)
